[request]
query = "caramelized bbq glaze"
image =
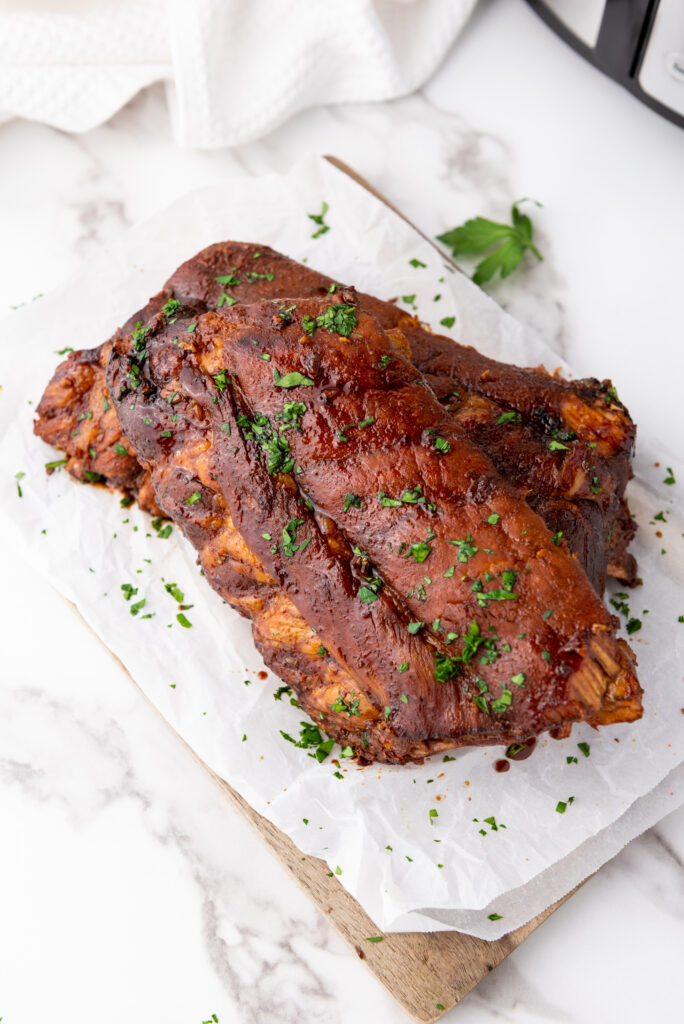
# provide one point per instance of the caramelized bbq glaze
(394, 653)
(512, 413)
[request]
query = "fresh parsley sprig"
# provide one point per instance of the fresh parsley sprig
(479, 235)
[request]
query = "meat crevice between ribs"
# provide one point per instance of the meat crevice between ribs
(406, 590)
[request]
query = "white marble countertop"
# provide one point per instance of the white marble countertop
(129, 890)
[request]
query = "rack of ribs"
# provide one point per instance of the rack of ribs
(403, 586)
(567, 446)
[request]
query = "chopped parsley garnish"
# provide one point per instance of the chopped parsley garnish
(518, 679)
(619, 603)
(368, 594)
(275, 445)
(251, 276)
(502, 702)
(352, 499)
(318, 218)
(494, 917)
(472, 640)
(310, 736)
(408, 299)
(175, 592)
(402, 667)
(633, 626)
(412, 495)
(585, 748)
(448, 321)
(120, 450)
(290, 547)
(291, 380)
(508, 417)
(184, 622)
(403, 698)
(420, 551)
(562, 805)
(466, 548)
(170, 310)
(557, 538)
(291, 416)
(339, 319)
(387, 502)
(129, 591)
(57, 464)
(670, 478)
(446, 668)
(504, 593)
(366, 423)
(415, 627)
(230, 280)
(417, 263)
(384, 362)
(348, 706)
(450, 571)
(493, 519)
(441, 444)
(432, 814)
(194, 497)
(557, 446)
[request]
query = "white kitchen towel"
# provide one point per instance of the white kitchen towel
(233, 69)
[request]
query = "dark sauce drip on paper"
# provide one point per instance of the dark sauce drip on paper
(516, 752)
(521, 751)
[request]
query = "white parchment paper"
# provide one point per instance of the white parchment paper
(408, 868)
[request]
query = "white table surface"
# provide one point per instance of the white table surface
(129, 890)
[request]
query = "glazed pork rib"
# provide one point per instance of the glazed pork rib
(527, 421)
(408, 594)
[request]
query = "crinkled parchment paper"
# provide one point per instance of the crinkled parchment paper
(408, 868)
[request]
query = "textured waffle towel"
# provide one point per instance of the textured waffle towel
(234, 69)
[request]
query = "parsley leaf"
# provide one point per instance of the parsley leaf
(352, 499)
(480, 234)
(291, 380)
(420, 551)
(318, 218)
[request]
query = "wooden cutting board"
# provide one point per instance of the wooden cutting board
(427, 973)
